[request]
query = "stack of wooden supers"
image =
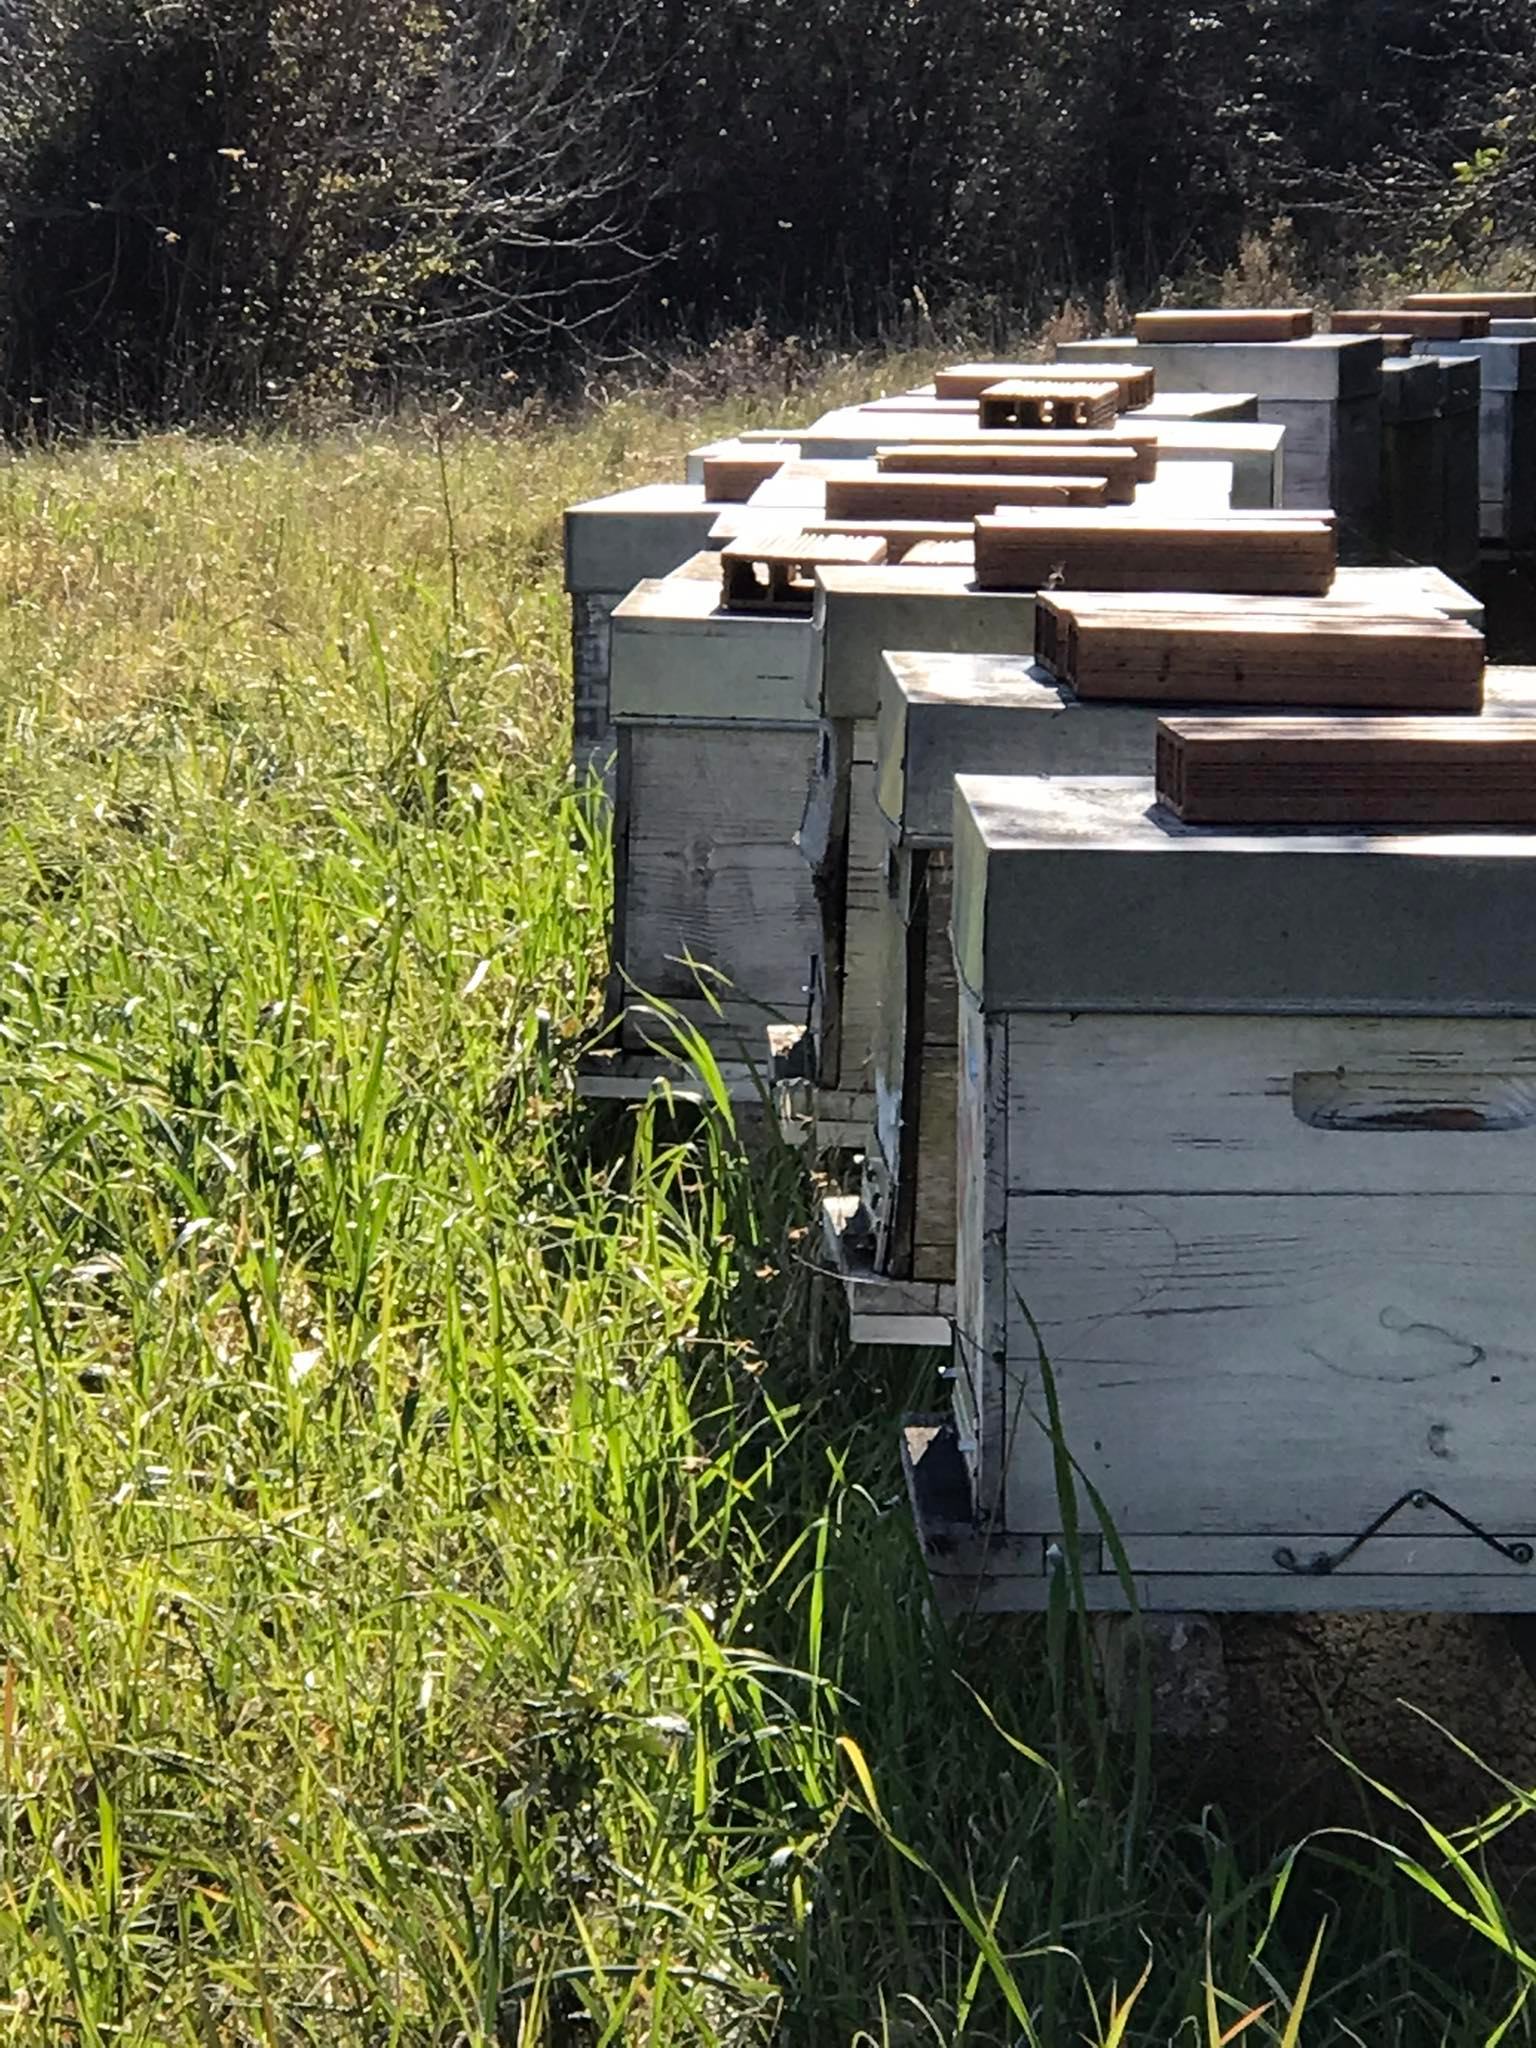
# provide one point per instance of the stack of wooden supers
(946, 716)
(1247, 1145)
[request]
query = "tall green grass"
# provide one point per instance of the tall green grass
(454, 1587)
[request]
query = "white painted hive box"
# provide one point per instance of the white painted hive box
(1248, 1155)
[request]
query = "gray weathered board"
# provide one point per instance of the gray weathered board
(714, 912)
(1279, 1277)
(943, 716)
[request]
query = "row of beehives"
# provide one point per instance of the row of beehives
(1074, 1112)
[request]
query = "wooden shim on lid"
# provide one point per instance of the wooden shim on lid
(1501, 305)
(1292, 323)
(1137, 384)
(1018, 549)
(1039, 402)
(731, 479)
(1424, 326)
(777, 573)
(1119, 466)
(942, 554)
(901, 536)
(1225, 657)
(1348, 771)
(962, 497)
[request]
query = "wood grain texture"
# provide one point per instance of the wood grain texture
(776, 572)
(1065, 403)
(1047, 457)
(981, 1265)
(1137, 384)
(1271, 1105)
(731, 478)
(1224, 324)
(919, 496)
(1426, 664)
(1348, 771)
(1502, 305)
(1424, 323)
(711, 874)
(1273, 1364)
(1024, 550)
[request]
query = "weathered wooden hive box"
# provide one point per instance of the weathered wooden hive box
(1324, 390)
(1507, 455)
(1247, 1145)
(943, 716)
(714, 911)
(611, 544)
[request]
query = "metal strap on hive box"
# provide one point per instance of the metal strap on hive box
(1323, 1566)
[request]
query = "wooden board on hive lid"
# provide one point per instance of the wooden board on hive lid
(1018, 548)
(1423, 325)
(894, 496)
(1064, 402)
(1256, 323)
(1434, 772)
(1207, 653)
(1500, 305)
(776, 572)
(1137, 383)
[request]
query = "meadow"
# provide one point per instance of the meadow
(455, 1587)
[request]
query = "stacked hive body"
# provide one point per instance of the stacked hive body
(1247, 1143)
(1324, 390)
(1133, 658)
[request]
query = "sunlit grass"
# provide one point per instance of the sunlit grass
(451, 1589)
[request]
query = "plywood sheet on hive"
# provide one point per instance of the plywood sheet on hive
(896, 496)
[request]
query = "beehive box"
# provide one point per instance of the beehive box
(611, 544)
(714, 911)
(1247, 1149)
(1507, 444)
(1324, 390)
(858, 615)
(942, 716)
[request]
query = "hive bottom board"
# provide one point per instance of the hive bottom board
(710, 891)
(979, 1571)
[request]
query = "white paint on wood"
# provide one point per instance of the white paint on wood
(1272, 1105)
(1273, 1363)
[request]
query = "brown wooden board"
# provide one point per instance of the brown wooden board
(1502, 305)
(941, 554)
(962, 497)
(731, 479)
(1386, 664)
(1120, 467)
(777, 573)
(1425, 325)
(1042, 402)
(901, 536)
(1137, 384)
(1349, 772)
(1020, 549)
(1268, 323)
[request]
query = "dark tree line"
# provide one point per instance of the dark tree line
(214, 205)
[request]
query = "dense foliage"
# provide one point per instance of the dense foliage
(215, 205)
